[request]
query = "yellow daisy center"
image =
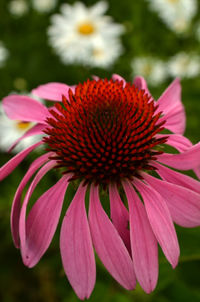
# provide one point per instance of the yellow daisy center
(23, 125)
(147, 69)
(86, 28)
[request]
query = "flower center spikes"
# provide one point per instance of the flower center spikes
(86, 29)
(105, 132)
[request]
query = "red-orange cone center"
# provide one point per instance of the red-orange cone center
(105, 132)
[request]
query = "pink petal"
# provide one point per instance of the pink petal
(31, 251)
(108, 244)
(177, 178)
(190, 159)
(76, 247)
(174, 120)
(180, 143)
(143, 242)
(52, 91)
(16, 205)
(35, 130)
(117, 77)
(16, 160)
(141, 84)
(183, 204)
(119, 215)
(24, 108)
(170, 104)
(161, 221)
(177, 141)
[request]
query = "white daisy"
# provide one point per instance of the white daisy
(104, 53)
(177, 14)
(44, 6)
(3, 54)
(78, 30)
(18, 8)
(11, 130)
(184, 65)
(154, 70)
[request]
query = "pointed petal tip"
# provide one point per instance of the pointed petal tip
(76, 247)
(175, 261)
(143, 242)
(108, 244)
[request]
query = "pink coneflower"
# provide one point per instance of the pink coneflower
(107, 135)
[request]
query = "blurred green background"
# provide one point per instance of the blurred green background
(32, 62)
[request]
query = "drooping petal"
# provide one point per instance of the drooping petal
(33, 251)
(177, 141)
(76, 247)
(170, 104)
(143, 242)
(52, 91)
(24, 108)
(35, 130)
(108, 244)
(190, 159)
(16, 205)
(119, 215)
(161, 221)
(177, 178)
(16, 160)
(141, 84)
(183, 204)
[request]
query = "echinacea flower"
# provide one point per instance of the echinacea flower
(80, 31)
(107, 135)
(177, 14)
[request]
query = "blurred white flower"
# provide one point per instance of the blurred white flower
(184, 65)
(80, 31)
(177, 14)
(154, 70)
(104, 53)
(44, 6)
(3, 54)
(18, 8)
(198, 31)
(11, 130)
